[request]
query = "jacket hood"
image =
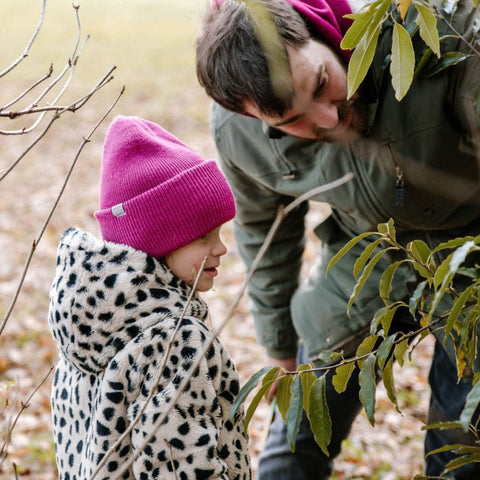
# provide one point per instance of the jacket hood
(104, 295)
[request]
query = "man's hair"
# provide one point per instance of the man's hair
(233, 67)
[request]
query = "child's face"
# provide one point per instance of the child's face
(186, 261)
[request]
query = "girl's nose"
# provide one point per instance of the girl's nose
(219, 249)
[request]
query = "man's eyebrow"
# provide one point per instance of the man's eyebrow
(320, 81)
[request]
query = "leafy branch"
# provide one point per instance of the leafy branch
(437, 304)
(407, 18)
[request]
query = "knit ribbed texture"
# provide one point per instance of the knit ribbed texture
(156, 193)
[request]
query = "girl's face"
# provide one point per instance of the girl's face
(186, 261)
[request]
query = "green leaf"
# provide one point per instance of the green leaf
(283, 395)
(346, 248)
(442, 272)
(263, 390)
(386, 320)
(456, 309)
(308, 378)
(385, 284)
(462, 461)
(384, 349)
(454, 243)
(368, 386)
(271, 376)
(443, 426)
(365, 255)
(361, 59)
(377, 319)
(422, 62)
(363, 22)
(460, 255)
(389, 384)
(342, 376)
(247, 388)
(320, 420)
(446, 271)
(416, 297)
(422, 257)
(472, 402)
(428, 28)
(448, 59)
(356, 31)
(402, 62)
(365, 275)
(387, 228)
(294, 413)
(399, 352)
(365, 347)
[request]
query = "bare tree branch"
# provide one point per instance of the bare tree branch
(107, 78)
(29, 44)
(54, 206)
(24, 406)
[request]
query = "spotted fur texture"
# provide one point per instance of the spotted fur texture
(113, 313)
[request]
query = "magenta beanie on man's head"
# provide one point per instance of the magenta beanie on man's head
(327, 17)
(156, 193)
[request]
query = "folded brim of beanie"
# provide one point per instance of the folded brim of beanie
(172, 214)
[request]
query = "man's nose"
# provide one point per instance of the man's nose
(325, 115)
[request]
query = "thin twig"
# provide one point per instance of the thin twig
(29, 44)
(24, 406)
(71, 63)
(49, 216)
(470, 45)
(72, 107)
(29, 89)
(55, 117)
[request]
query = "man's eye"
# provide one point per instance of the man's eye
(322, 82)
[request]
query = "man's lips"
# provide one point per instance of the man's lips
(344, 122)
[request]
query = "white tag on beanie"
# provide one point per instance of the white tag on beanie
(118, 210)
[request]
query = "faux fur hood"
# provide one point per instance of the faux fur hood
(104, 295)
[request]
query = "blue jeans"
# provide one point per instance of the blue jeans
(277, 462)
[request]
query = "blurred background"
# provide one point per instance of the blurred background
(151, 44)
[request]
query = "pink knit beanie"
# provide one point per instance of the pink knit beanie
(156, 193)
(326, 16)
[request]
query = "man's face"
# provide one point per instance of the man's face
(320, 109)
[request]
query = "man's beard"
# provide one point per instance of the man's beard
(357, 127)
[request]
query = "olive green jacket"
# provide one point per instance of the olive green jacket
(430, 141)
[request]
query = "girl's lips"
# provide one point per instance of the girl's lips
(212, 271)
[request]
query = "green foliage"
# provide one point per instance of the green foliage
(438, 303)
(407, 18)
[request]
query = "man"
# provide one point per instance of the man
(416, 161)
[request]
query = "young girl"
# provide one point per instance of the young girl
(127, 334)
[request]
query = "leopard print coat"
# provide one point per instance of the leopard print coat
(113, 313)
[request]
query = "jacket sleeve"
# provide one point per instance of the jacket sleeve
(197, 438)
(276, 278)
